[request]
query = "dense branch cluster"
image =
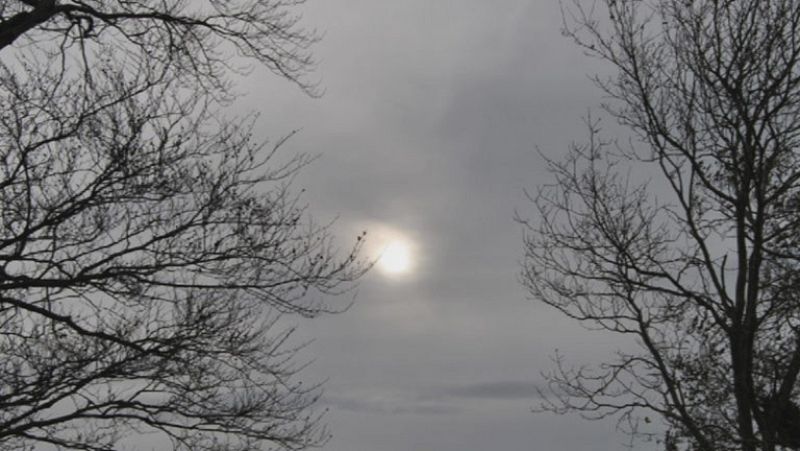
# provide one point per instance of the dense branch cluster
(193, 38)
(148, 245)
(701, 265)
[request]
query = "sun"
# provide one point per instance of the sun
(396, 258)
(393, 250)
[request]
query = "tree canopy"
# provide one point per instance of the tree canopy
(698, 265)
(149, 244)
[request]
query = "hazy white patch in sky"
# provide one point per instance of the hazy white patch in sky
(395, 252)
(396, 258)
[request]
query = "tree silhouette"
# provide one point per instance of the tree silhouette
(149, 246)
(686, 238)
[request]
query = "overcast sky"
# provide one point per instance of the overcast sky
(427, 133)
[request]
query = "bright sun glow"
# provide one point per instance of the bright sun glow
(395, 258)
(394, 251)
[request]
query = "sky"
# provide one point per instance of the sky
(427, 136)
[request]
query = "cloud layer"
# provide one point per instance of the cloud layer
(429, 126)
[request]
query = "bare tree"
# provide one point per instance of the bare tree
(149, 245)
(700, 265)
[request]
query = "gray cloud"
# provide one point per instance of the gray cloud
(388, 405)
(432, 401)
(429, 124)
(507, 390)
